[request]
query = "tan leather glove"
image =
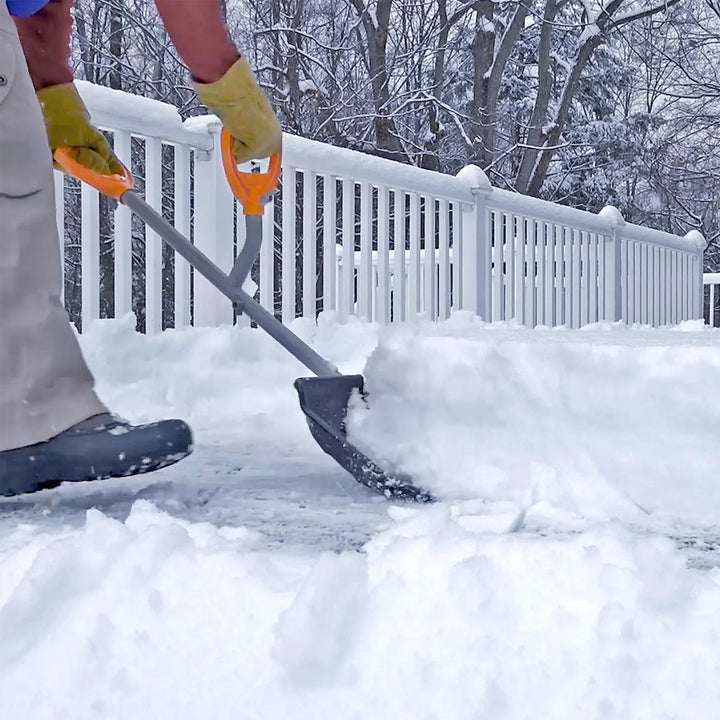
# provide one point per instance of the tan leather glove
(68, 125)
(244, 111)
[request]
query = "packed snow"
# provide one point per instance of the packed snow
(569, 568)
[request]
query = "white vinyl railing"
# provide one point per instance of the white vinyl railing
(422, 243)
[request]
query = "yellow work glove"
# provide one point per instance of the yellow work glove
(244, 111)
(68, 125)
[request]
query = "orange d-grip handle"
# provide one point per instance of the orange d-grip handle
(251, 189)
(114, 186)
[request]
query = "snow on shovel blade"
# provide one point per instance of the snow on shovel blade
(324, 400)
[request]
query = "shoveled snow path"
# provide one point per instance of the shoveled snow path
(291, 502)
(255, 463)
(256, 466)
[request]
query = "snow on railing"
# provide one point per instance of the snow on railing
(422, 242)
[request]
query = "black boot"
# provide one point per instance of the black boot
(100, 447)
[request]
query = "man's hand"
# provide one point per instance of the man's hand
(68, 125)
(244, 111)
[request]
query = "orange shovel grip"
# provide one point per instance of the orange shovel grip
(251, 189)
(114, 186)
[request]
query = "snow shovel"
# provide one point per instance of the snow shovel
(324, 399)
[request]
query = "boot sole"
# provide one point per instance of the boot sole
(80, 456)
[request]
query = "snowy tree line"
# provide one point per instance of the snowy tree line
(578, 101)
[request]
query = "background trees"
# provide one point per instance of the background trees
(584, 102)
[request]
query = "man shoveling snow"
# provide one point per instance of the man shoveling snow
(53, 426)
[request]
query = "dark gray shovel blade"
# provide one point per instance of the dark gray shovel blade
(324, 400)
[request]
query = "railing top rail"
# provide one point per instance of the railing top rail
(711, 278)
(343, 163)
(546, 211)
(118, 110)
(602, 223)
(658, 237)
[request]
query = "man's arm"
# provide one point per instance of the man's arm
(200, 36)
(45, 38)
(223, 80)
(196, 27)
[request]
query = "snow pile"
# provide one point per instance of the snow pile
(231, 384)
(155, 618)
(536, 588)
(594, 423)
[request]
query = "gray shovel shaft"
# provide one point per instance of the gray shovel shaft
(250, 250)
(268, 322)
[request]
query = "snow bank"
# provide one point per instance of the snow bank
(156, 619)
(593, 423)
(231, 384)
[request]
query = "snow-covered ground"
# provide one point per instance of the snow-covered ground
(569, 570)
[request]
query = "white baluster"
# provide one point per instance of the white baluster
(498, 276)
(365, 271)
(414, 287)
(329, 242)
(289, 240)
(444, 260)
(267, 258)
(585, 278)
(592, 277)
(430, 266)
(182, 224)
(123, 236)
(399, 270)
(458, 258)
(508, 235)
(153, 243)
(90, 253)
(560, 274)
(530, 244)
(347, 293)
(309, 245)
(519, 238)
(382, 305)
(214, 205)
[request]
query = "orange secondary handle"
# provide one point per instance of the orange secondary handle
(251, 189)
(114, 186)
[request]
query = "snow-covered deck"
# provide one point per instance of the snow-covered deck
(570, 570)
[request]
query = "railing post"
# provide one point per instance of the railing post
(477, 245)
(613, 263)
(698, 295)
(213, 230)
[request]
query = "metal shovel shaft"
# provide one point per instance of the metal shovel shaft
(234, 292)
(250, 250)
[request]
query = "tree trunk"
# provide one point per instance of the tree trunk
(536, 130)
(115, 46)
(376, 34)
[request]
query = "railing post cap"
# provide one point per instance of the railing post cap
(698, 238)
(475, 177)
(612, 215)
(210, 123)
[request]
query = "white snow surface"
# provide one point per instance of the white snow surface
(568, 569)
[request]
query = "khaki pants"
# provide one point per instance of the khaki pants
(45, 386)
